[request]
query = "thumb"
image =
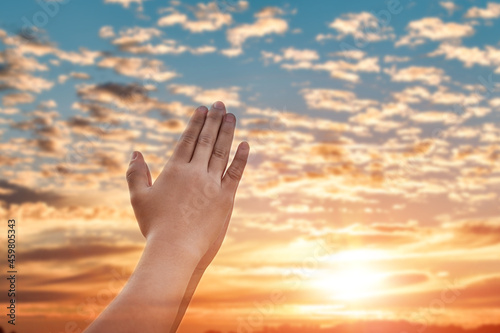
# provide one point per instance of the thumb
(138, 175)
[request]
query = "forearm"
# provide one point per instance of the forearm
(151, 298)
(188, 295)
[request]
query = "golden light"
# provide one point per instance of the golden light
(350, 275)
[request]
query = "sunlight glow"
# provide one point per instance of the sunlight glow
(350, 284)
(350, 275)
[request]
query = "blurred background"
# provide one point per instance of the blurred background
(370, 202)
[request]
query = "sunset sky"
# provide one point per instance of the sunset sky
(372, 189)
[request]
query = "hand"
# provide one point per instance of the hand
(190, 203)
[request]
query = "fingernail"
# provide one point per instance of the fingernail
(230, 118)
(202, 109)
(219, 105)
(134, 155)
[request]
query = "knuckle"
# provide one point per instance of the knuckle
(133, 198)
(220, 152)
(227, 130)
(242, 160)
(206, 140)
(234, 173)
(189, 138)
(130, 175)
(198, 121)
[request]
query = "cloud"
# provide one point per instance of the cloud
(48, 136)
(369, 326)
(131, 98)
(106, 32)
(350, 54)
(17, 98)
(232, 52)
(88, 277)
(294, 54)
(136, 35)
(172, 19)
(450, 98)
(15, 73)
(291, 120)
(391, 58)
(322, 37)
(208, 18)
(362, 26)
(335, 100)
(41, 296)
(65, 209)
(133, 40)
(79, 75)
(338, 69)
(482, 292)
(16, 194)
(433, 28)
(428, 75)
(126, 3)
(23, 46)
(270, 56)
(233, 6)
(489, 56)
(76, 75)
(83, 57)
(266, 24)
(166, 47)
(29, 46)
(397, 280)
(113, 92)
(491, 11)
(444, 96)
(344, 70)
(139, 68)
(434, 117)
(450, 6)
(475, 233)
(203, 49)
(376, 119)
(71, 253)
(229, 95)
(302, 58)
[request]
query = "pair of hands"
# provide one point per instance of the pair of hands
(190, 203)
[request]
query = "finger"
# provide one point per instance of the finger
(208, 134)
(138, 176)
(220, 153)
(235, 171)
(187, 143)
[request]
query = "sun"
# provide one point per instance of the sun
(352, 284)
(349, 276)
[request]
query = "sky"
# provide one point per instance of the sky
(371, 196)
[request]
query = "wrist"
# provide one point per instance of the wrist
(169, 247)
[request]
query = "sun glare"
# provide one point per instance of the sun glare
(350, 284)
(350, 275)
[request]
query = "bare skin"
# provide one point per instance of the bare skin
(184, 217)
